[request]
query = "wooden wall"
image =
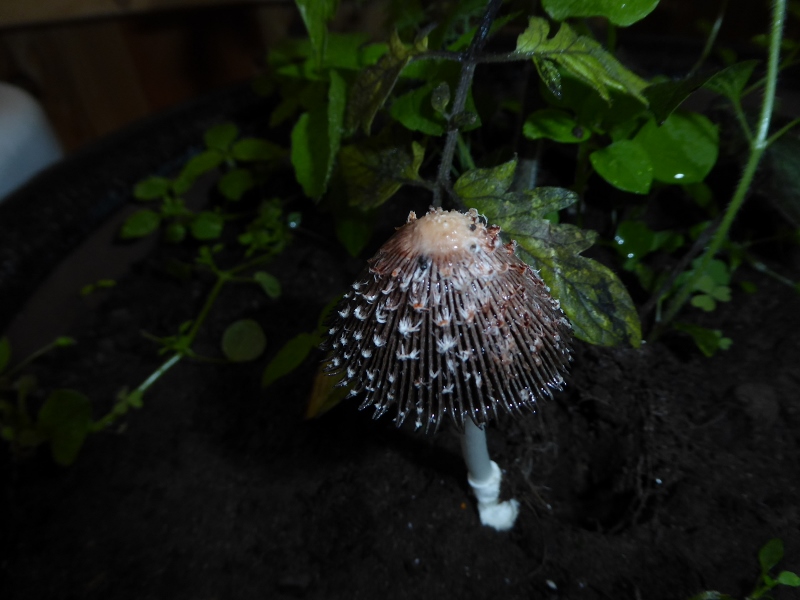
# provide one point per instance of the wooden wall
(95, 75)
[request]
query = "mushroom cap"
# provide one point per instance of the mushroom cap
(447, 320)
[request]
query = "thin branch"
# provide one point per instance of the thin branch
(469, 60)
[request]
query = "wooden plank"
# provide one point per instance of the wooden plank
(16, 13)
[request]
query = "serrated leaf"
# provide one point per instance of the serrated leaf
(139, 224)
(730, 82)
(65, 419)
(374, 83)
(554, 124)
(207, 226)
(255, 149)
(770, 554)
(373, 170)
(220, 137)
(5, 353)
(243, 341)
(620, 13)
(152, 188)
(581, 56)
(288, 358)
(593, 298)
(235, 183)
(683, 149)
(414, 110)
(269, 283)
(492, 182)
(625, 165)
(316, 14)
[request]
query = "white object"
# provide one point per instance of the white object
(484, 478)
(27, 142)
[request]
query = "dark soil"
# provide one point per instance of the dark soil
(658, 474)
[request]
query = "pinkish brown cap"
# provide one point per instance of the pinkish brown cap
(446, 320)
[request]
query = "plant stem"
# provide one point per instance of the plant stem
(757, 147)
(468, 61)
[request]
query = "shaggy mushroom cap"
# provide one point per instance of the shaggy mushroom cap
(447, 320)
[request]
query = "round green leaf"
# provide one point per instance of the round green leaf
(65, 418)
(221, 136)
(152, 188)
(620, 13)
(243, 340)
(139, 224)
(207, 226)
(268, 283)
(554, 124)
(235, 183)
(683, 149)
(625, 165)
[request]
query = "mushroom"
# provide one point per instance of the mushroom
(446, 322)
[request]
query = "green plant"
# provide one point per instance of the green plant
(368, 120)
(768, 558)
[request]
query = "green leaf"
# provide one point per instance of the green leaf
(316, 14)
(770, 554)
(414, 110)
(207, 226)
(66, 341)
(152, 188)
(591, 295)
(243, 341)
(374, 84)
(353, 232)
(788, 578)
(554, 124)
(235, 183)
(5, 353)
(288, 358)
(254, 149)
(683, 149)
(492, 182)
(309, 153)
(268, 283)
(579, 55)
(625, 165)
(220, 137)
(708, 341)
(198, 165)
(65, 418)
(139, 224)
(619, 13)
(731, 80)
(665, 96)
(374, 169)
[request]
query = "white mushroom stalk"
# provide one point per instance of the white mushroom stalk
(446, 322)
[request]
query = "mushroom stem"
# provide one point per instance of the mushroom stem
(484, 476)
